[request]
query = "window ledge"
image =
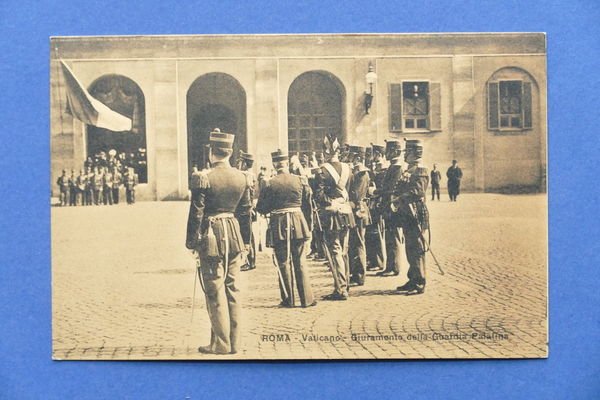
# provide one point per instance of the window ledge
(510, 132)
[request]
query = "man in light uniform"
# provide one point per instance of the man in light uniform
(213, 233)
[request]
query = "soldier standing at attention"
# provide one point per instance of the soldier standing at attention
(245, 163)
(72, 189)
(375, 233)
(409, 201)
(454, 175)
(96, 181)
(107, 187)
(393, 227)
(63, 187)
(436, 178)
(80, 187)
(360, 182)
(88, 196)
(116, 184)
(213, 233)
(338, 218)
(131, 181)
(287, 198)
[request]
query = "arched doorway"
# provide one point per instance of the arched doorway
(214, 100)
(124, 96)
(315, 109)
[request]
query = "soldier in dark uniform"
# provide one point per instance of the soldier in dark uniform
(72, 189)
(107, 187)
(409, 204)
(63, 187)
(287, 198)
(393, 228)
(436, 178)
(358, 192)
(454, 175)
(131, 181)
(213, 233)
(338, 218)
(245, 163)
(375, 232)
(116, 184)
(88, 196)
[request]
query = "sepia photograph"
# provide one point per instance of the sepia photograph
(299, 196)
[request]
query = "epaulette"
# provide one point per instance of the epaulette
(200, 180)
(249, 178)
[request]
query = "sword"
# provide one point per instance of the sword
(414, 215)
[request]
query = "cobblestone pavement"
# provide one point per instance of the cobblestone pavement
(123, 285)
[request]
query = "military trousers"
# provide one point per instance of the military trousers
(107, 196)
(292, 272)
(357, 253)
(64, 197)
(415, 254)
(222, 302)
(394, 249)
(115, 195)
(375, 243)
(130, 194)
(337, 245)
(97, 196)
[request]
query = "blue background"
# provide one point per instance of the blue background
(26, 369)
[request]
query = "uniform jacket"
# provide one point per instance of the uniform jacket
(223, 189)
(392, 177)
(63, 183)
(283, 191)
(117, 180)
(107, 180)
(97, 181)
(330, 195)
(357, 193)
(131, 181)
(410, 196)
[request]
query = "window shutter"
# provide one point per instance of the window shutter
(493, 105)
(395, 107)
(435, 106)
(527, 124)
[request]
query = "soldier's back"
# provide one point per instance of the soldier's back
(226, 187)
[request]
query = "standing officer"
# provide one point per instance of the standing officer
(454, 175)
(245, 163)
(360, 182)
(338, 218)
(88, 195)
(107, 187)
(63, 187)
(213, 233)
(375, 233)
(287, 198)
(72, 189)
(393, 228)
(116, 184)
(80, 187)
(131, 181)
(409, 202)
(96, 182)
(436, 178)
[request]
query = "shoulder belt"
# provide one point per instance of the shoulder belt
(340, 180)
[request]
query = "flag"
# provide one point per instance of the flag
(87, 109)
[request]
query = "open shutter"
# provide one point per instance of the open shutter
(395, 107)
(527, 124)
(435, 106)
(493, 105)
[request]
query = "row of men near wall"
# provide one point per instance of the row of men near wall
(220, 216)
(97, 186)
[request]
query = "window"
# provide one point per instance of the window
(415, 106)
(509, 105)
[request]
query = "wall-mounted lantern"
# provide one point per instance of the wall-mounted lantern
(371, 78)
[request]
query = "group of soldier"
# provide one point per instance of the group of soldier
(99, 182)
(349, 208)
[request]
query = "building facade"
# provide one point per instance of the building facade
(477, 98)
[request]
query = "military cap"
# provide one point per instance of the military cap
(246, 156)
(360, 150)
(278, 155)
(221, 140)
(377, 148)
(392, 144)
(414, 146)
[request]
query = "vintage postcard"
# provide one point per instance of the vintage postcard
(322, 196)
